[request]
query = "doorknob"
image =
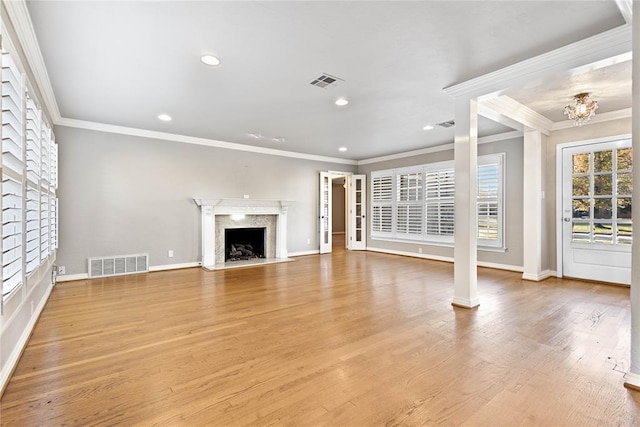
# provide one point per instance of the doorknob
(566, 219)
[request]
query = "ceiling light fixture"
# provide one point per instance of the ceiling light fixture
(210, 60)
(342, 149)
(428, 127)
(341, 102)
(583, 110)
(164, 117)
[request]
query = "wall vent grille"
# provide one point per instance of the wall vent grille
(118, 265)
(326, 81)
(448, 124)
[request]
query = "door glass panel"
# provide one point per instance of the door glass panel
(358, 197)
(358, 211)
(624, 234)
(326, 237)
(603, 233)
(602, 184)
(358, 184)
(602, 209)
(358, 235)
(625, 159)
(624, 208)
(625, 187)
(581, 185)
(581, 163)
(581, 232)
(581, 208)
(358, 222)
(603, 161)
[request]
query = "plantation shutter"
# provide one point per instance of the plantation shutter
(32, 228)
(12, 171)
(440, 190)
(489, 184)
(382, 204)
(410, 207)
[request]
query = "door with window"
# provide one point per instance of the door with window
(357, 225)
(325, 212)
(596, 211)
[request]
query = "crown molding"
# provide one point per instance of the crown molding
(610, 44)
(144, 133)
(599, 118)
(506, 107)
(626, 10)
(438, 148)
(21, 21)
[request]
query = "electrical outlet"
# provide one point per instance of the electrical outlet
(61, 270)
(308, 241)
(170, 254)
(419, 250)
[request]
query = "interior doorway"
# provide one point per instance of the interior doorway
(354, 210)
(339, 212)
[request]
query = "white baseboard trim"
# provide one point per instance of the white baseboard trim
(14, 357)
(497, 266)
(465, 302)
(303, 253)
(164, 267)
(632, 381)
(411, 254)
(538, 277)
(152, 268)
(72, 277)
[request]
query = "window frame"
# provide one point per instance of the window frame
(438, 239)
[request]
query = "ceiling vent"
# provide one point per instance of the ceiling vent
(448, 124)
(326, 81)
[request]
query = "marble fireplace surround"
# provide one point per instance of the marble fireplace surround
(216, 216)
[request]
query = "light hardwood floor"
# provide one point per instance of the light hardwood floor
(343, 339)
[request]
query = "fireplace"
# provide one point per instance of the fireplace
(219, 215)
(242, 244)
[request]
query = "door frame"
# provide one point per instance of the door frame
(558, 186)
(347, 226)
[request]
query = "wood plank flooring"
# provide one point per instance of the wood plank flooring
(342, 339)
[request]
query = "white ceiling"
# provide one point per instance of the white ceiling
(123, 63)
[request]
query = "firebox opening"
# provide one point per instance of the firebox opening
(244, 243)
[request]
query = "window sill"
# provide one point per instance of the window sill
(437, 244)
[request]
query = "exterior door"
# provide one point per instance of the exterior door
(357, 227)
(596, 211)
(325, 212)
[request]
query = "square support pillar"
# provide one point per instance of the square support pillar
(466, 205)
(532, 206)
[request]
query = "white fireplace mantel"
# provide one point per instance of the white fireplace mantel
(212, 207)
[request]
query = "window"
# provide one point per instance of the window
(29, 182)
(12, 170)
(417, 203)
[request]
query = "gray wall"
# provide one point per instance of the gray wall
(513, 148)
(123, 195)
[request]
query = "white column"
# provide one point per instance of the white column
(532, 205)
(208, 237)
(633, 376)
(281, 235)
(466, 163)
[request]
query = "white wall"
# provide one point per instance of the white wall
(123, 195)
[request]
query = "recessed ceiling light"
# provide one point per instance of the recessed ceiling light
(428, 127)
(341, 102)
(342, 149)
(165, 117)
(210, 60)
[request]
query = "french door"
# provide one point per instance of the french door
(596, 211)
(325, 212)
(357, 224)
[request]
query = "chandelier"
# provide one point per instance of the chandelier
(583, 109)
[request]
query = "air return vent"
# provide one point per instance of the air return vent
(118, 265)
(326, 81)
(448, 124)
